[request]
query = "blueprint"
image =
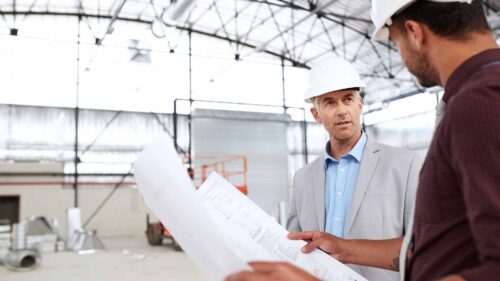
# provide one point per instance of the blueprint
(218, 227)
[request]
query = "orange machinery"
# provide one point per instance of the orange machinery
(232, 168)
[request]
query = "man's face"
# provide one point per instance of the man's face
(339, 112)
(416, 61)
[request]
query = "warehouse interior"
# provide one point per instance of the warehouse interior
(86, 85)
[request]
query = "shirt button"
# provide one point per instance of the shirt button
(339, 193)
(342, 170)
(336, 218)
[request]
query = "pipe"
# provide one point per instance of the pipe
(77, 114)
(64, 183)
(54, 174)
(21, 260)
(283, 84)
(179, 9)
(190, 116)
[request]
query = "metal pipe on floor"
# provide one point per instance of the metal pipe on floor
(21, 260)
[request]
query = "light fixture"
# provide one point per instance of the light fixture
(138, 52)
(179, 9)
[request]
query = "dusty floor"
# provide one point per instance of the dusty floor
(125, 259)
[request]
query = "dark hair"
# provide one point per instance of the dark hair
(452, 20)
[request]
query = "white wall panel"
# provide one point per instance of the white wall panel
(124, 214)
(261, 137)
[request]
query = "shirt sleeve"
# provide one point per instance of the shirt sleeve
(475, 149)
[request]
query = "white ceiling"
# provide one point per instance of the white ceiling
(299, 32)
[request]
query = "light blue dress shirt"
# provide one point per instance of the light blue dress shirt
(340, 182)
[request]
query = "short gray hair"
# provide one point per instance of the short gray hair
(314, 100)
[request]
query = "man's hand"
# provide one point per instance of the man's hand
(332, 245)
(272, 271)
(376, 253)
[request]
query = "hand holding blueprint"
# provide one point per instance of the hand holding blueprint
(217, 226)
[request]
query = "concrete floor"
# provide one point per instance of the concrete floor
(125, 259)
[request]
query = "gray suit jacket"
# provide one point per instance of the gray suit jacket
(382, 203)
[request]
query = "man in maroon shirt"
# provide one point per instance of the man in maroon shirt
(456, 230)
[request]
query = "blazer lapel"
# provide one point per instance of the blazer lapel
(368, 164)
(319, 192)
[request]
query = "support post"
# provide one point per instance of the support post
(77, 113)
(190, 161)
(283, 83)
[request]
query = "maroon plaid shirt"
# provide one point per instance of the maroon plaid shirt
(457, 217)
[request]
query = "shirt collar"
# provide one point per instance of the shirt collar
(356, 151)
(467, 69)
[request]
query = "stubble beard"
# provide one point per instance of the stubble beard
(418, 64)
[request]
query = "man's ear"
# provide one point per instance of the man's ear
(316, 115)
(415, 33)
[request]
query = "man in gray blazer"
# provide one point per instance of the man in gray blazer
(357, 188)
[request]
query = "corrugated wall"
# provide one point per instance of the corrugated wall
(260, 137)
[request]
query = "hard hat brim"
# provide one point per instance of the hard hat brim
(380, 34)
(359, 88)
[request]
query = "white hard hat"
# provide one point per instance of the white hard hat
(383, 10)
(332, 74)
